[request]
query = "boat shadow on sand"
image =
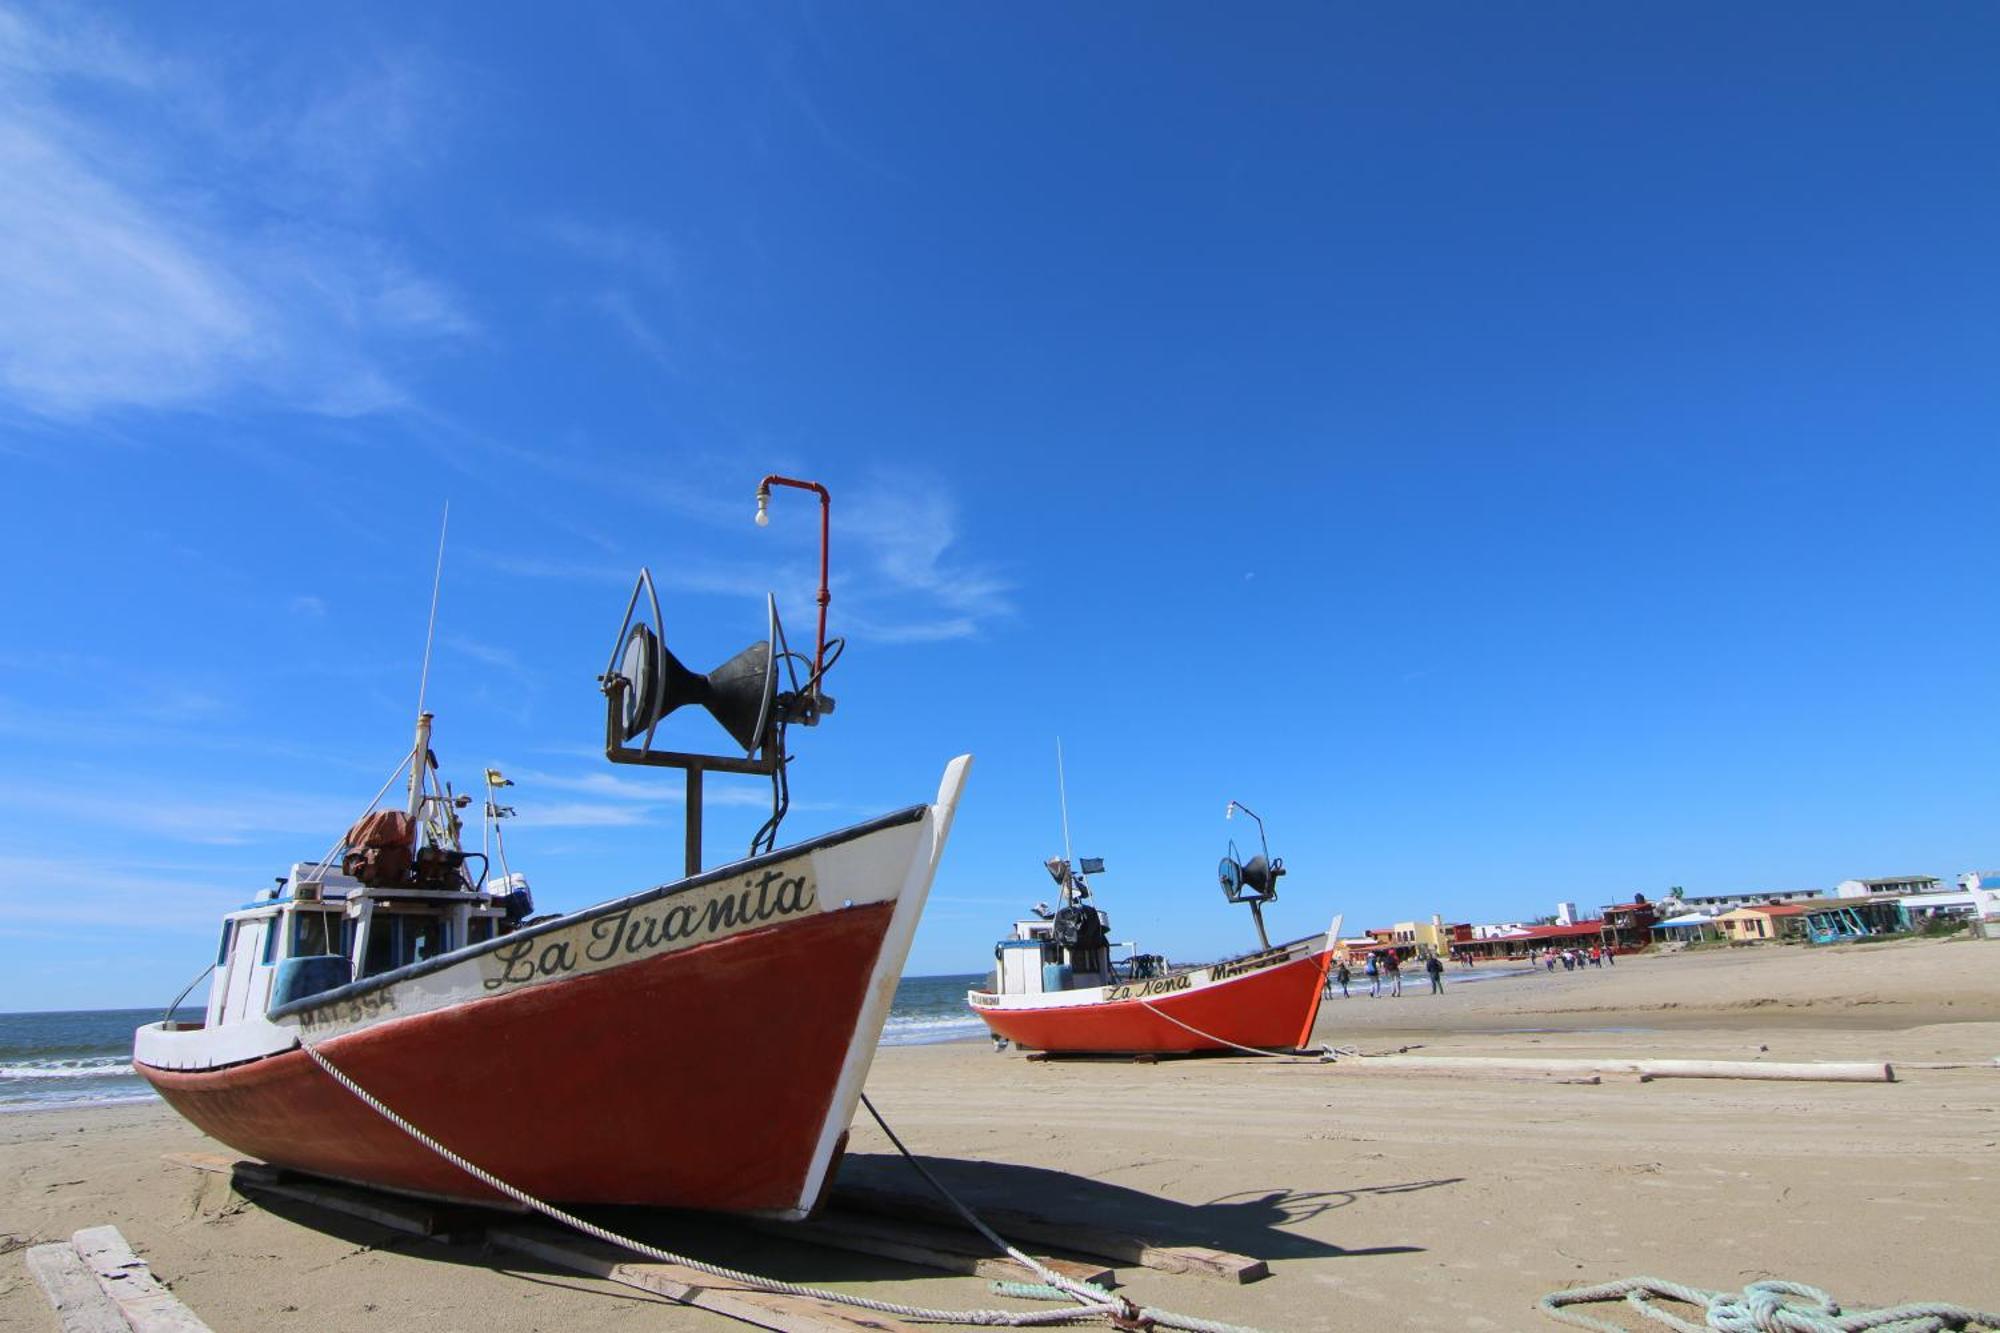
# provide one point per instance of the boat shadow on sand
(1257, 1223)
(1254, 1223)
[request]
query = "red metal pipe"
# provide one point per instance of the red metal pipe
(825, 518)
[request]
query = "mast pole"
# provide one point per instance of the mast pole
(420, 753)
(1062, 794)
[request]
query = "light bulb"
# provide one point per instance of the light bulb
(1230, 812)
(763, 510)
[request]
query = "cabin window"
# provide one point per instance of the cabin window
(315, 933)
(222, 950)
(270, 941)
(423, 937)
(381, 945)
(479, 930)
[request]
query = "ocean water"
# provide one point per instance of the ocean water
(72, 1059)
(931, 1009)
(84, 1058)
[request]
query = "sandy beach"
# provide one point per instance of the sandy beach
(1379, 1200)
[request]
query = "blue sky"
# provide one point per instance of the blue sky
(1525, 452)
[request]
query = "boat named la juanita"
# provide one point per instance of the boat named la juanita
(1056, 988)
(697, 1044)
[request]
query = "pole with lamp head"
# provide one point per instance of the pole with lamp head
(825, 523)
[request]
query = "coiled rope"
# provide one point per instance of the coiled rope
(1761, 1307)
(1094, 1303)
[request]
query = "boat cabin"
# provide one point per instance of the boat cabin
(1068, 947)
(320, 929)
(1034, 960)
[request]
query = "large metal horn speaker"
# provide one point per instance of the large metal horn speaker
(739, 694)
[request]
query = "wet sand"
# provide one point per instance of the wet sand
(1382, 1200)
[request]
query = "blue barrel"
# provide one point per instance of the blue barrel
(1056, 976)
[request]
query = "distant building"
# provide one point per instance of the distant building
(1524, 941)
(1972, 881)
(1687, 927)
(1629, 925)
(1712, 904)
(1757, 925)
(1417, 937)
(1566, 914)
(1868, 888)
(1833, 920)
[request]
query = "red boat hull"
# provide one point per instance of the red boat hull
(1271, 1008)
(701, 1079)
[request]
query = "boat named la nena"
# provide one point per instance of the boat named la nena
(698, 1043)
(1055, 986)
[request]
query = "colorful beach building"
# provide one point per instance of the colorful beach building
(1764, 923)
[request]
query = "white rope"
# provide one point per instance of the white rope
(1097, 1304)
(1762, 1307)
(1210, 1036)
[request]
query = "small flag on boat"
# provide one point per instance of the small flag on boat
(495, 779)
(1090, 865)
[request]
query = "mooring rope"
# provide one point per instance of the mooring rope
(1056, 1285)
(1094, 1302)
(1761, 1307)
(1210, 1036)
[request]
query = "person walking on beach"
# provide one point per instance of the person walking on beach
(1340, 978)
(1436, 969)
(1374, 977)
(1395, 966)
(1549, 960)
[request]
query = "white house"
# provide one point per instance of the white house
(1868, 888)
(1714, 904)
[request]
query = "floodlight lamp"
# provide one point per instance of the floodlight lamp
(1230, 812)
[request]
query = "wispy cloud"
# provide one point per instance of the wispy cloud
(216, 819)
(916, 586)
(489, 655)
(901, 576)
(641, 252)
(635, 265)
(584, 814)
(624, 315)
(97, 891)
(122, 285)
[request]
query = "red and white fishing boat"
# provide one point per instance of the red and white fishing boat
(699, 1044)
(1056, 988)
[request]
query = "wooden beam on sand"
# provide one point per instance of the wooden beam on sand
(946, 1249)
(686, 1286)
(1078, 1237)
(147, 1306)
(412, 1217)
(81, 1305)
(1813, 1071)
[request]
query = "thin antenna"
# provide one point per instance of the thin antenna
(1062, 791)
(430, 632)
